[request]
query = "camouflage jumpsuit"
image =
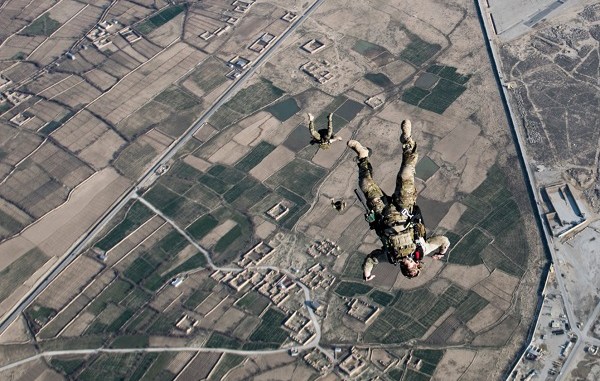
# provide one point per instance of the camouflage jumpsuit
(397, 236)
(323, 138)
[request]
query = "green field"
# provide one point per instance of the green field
(193, 263)
(414, 95)
(138, 270)
(381, 298)
(379, 79)
(255, 156)
(224, 117)
(135, 217)
(109, 367)
(449, 73)
(176, 98)
(194, 300)
(246, 101)
(502, 218)
(468, 250)
(218, 340)
(10, 224)
(253, 302)
(67, 367)
(203, 195)
(231, 236)
(42, 26)
(284, 110)
(143, 366)
(226, 174)
(351, 289)
(134, 158)
(159, 19)
(419, 51)
(210, 74)
(353, 267)
(246, 194)
(184, 171)
(254, 97)
(202, 226)
(113, 293)
(469, 307)
(298, 176)
(269, 329)
(215, 184)
(17, 272)
(442, 96)
(227, 362)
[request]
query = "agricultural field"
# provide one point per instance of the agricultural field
(449, 85)
(245, 102)
(159, 19)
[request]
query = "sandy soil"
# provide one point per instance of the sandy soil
(453, 216)
(329, 157)
(273, 162)
(264, 228)
(197, 163)
(67, 286)
(229, 153)
(17, 332)
(211, 238)
(465, 276)
(180, 360)
(454, 363)
(455, 144)
(484, 318)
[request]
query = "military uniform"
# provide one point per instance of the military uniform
(397, 222)
(323, 138)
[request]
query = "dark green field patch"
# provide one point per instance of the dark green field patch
(231, 236)
(252, 194)
(67, 367)
(116, 325)
(299, 176)
(414, 95)
(255, 156)
(414, 302)
(442, 96)
(159, 19)
(184, 171)
(202, 226)
(253, 302)
(351, 289)
(114, 293)
(381, 298)
(438, 308)
(138, 214)
(379, 79)
(160, 196)
(177, 98)
(454, 295)
(269, 329)
(513, 243)
(426, 168)
(215, 184)
(218, 340)
(468, 250)
(284, 110)
(502, 218)
(131, 341)
(143, 366)
(353, 268)
(449, 73)
(368, 49)
(418, 51)
(136, 299)
(228, 175)
(194, 300)
(224, 117)
(432, 356)
(470, 307)
(210, 74)
(42, 26)
(254, 97)
(138, 270)
(347, 111)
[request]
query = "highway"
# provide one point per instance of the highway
(149, 175)
(534, 195)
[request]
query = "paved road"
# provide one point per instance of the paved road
(530, 179)
(149, 175)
